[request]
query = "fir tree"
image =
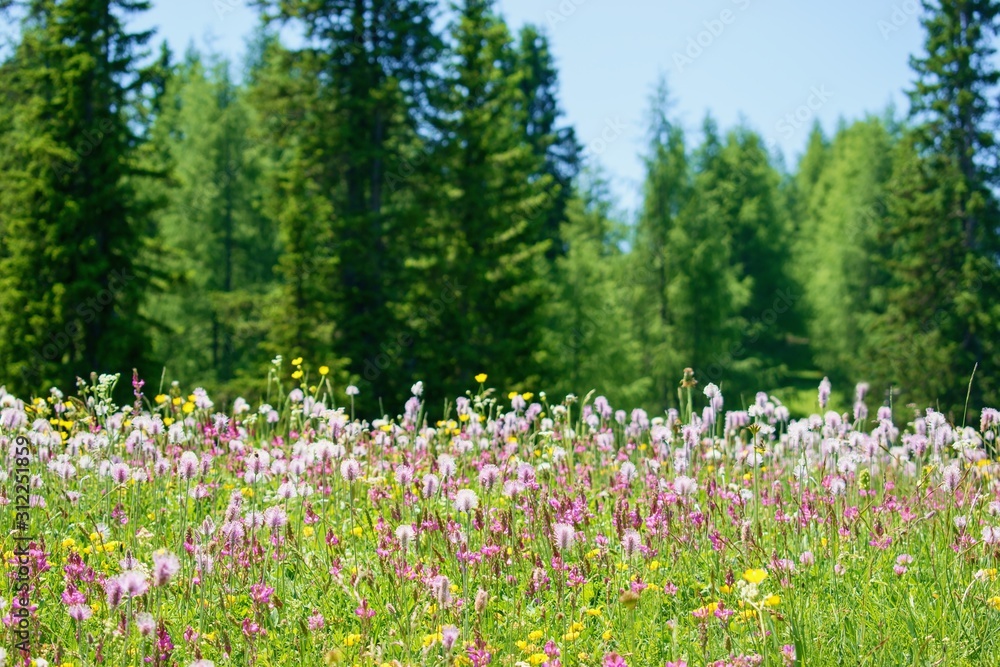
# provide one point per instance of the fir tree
(938, 309)
(71, 282)
(480, 264)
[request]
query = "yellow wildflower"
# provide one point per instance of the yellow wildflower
(755, 576)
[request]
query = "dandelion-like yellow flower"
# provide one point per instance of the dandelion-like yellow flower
(297, 361)
(755, 576)
(481, 378)
(772, 601)
(994, 602)
(324, 370)
(538, 658)
(297, 374)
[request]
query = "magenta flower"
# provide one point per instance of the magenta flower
(614, 660)
(261, 593)
(316, 621)
(364, 611)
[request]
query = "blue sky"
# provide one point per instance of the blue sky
(776, 64)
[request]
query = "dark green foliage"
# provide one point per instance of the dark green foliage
(592, 344)
(70, 282)
(403, 205)
(373, 62)
(218, 245)
(938, 310)
(478, 273)
(556, 144)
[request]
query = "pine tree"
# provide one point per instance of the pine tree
(556, 144)
(707, 290)
(478, 274)
(592, 341)
(750, 202)
(376, 58)
(913, 337)
(837, 248)
(294, 111)
(70, 283)
(217, 245)
(942, 225)
(667, 192)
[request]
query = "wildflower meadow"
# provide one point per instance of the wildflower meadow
(498, 529)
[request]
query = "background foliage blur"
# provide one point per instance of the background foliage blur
(402, 202)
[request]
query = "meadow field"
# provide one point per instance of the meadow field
(502, 529)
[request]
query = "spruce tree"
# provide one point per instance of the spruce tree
(592, 341)
(554, 142)
(376, 58)
(939, 310)
(70, 282)
(478, 274)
